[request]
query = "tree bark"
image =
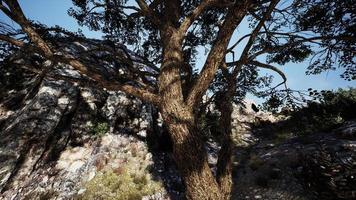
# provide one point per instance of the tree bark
(188, 148)
(225, 106)
(191, 159)
(224, 164)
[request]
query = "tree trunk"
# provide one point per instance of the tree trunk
(189, 152)
(188, 148)
(191, 159)
(224, 165)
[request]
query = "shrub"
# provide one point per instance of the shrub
(100, 128)
(120, 185)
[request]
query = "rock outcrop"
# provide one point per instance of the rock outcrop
(42, 116)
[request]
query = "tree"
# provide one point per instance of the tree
(168, 34)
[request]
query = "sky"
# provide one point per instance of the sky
(54, 12)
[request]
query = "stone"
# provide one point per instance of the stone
(62, 164)
(81, 191)
(76, 165)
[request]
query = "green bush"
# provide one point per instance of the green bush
(100, 128)
(121, 184)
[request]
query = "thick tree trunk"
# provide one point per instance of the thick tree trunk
(189, 152)
(188, 148)
(191, 158)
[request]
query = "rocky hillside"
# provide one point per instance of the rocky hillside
(56, 134)
(66, 139)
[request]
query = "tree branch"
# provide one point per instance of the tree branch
(110, 85)
(187, 22)
(148, 12)
(11, 40)
(271, 67)
(217, 53)
(18, 16)
(244, 55)
(255, 32)
(302, 40)
(5, 9)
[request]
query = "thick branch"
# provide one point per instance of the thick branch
(11, 40)
(217, 53)
(187, 22)
(18, 16)
(148, 12)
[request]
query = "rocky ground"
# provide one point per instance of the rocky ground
(272, 166)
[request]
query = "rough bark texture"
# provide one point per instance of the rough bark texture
(217, 52)
(190, 156)
(188, 149)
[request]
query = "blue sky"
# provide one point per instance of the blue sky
(54, 12)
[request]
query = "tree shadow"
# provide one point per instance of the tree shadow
(31, 136)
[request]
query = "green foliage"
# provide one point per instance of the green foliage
(119, 24)
(291, 53)
(121, 184)
(329, 18)
(100, 128)
(248, 81)
(341, 102)
(273, 103)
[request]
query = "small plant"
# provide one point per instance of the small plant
(100, 128)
